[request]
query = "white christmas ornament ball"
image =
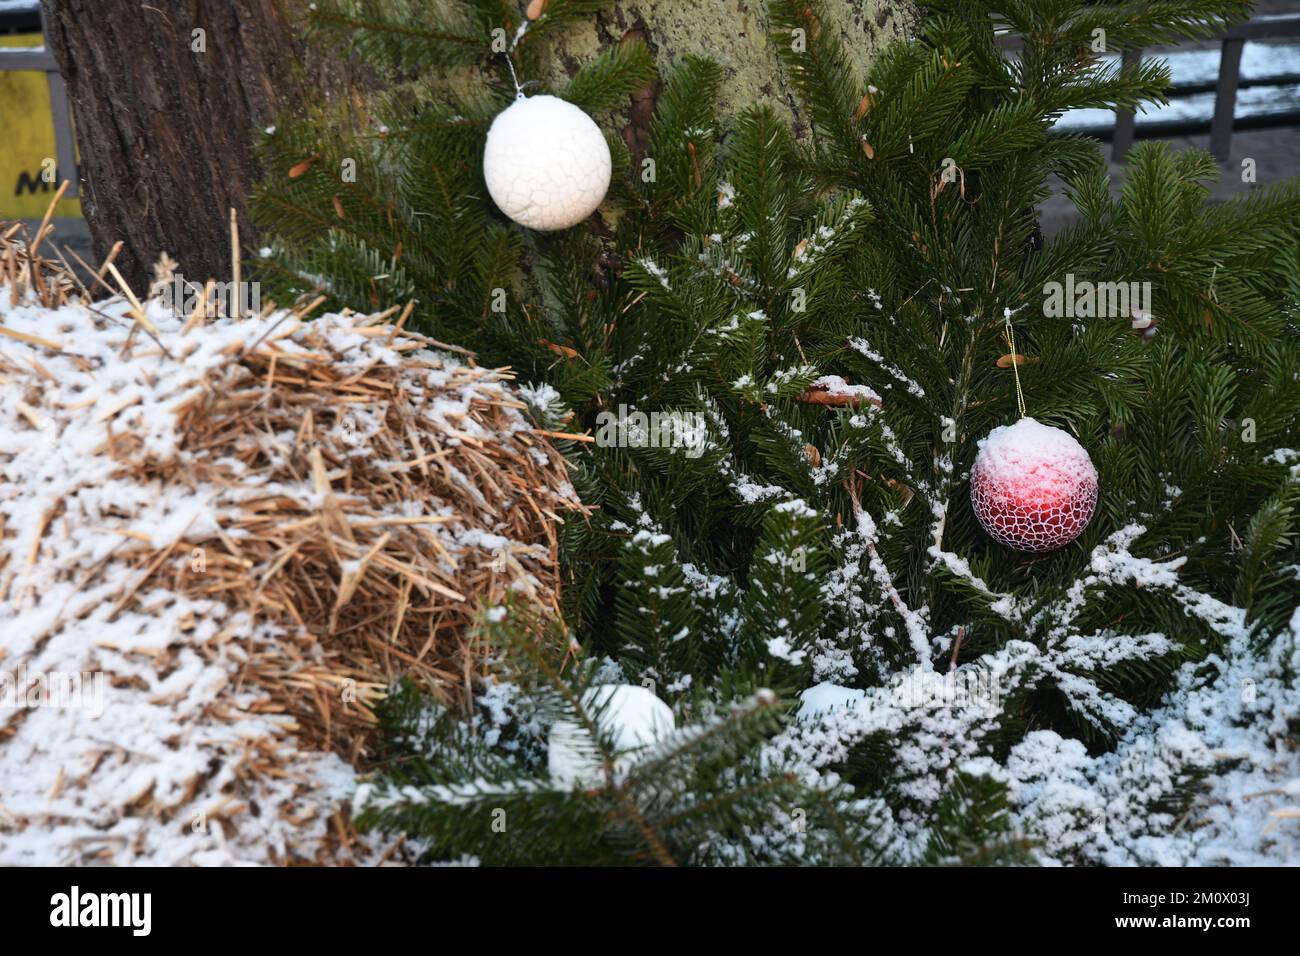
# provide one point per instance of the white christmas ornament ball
(547, 164)
(631, 716)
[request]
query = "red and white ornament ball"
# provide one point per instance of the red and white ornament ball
(1033, 486)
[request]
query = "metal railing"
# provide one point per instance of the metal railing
(1232, 43)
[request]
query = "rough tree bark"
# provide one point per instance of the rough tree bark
(166, 119)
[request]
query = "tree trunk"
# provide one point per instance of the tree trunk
(166, 99)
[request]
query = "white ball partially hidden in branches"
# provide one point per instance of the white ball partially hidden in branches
(546, 163)
(631, 717)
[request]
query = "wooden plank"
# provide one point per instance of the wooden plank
(1225, 99)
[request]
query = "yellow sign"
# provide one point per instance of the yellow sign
(28, 173)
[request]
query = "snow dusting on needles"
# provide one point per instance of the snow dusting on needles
(836, 386)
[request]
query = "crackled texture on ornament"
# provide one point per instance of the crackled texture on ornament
(1033, 486)
(547, 164)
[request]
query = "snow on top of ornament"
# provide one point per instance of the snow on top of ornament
(632, 717)
(1028, 449)
(1033, 487)
(546, 163)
